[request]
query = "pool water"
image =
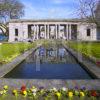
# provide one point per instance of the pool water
(49, 63)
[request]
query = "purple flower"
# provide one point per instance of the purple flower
(83, 88)
(41, 87)
(76, 88)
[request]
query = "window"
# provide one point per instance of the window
(88, 32)
(16, 39)
(16, 32)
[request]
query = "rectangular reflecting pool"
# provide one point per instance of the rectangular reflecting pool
(49, 63)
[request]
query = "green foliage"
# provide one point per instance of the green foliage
(9, 51)
(87, 48)
(11, 9)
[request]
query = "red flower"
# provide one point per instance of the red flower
(98, 62)
(94, 93)
(23, 88)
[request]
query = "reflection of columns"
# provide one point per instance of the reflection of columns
(70, 31)
(45, 32)
(37, 30)
(56, 32)
(67, 31)
(48, 32)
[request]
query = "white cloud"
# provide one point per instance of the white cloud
(49, 12)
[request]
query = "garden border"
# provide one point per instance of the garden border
(89, 66)
(4, 69)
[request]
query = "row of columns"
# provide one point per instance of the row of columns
(57, 31)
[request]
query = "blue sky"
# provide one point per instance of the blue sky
(54, 9)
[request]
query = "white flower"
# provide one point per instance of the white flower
(34, 94)
(64, 89)
(0, 43)
(1, 92)
(54, 89)
(34, 90)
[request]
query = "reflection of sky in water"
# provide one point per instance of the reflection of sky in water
(49, 63)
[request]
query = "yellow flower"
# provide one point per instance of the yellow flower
(82, 94)
(24, 93)
(5, 87)
(15, 92)
(58, 94)
(70, 94)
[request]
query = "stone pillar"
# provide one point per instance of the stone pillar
(67, 31)
(37, 30)
(59, 32)
(48, 36)
(56, 32)
(34, 32)
(45, 32)
(25, 31)
(70, 31)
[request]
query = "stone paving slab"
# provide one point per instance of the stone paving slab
(50, 83)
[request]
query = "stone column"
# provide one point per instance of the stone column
(59, 32)
(33, 35)
(34, 31)
(48, 32)
(70, 31)
(67, 30)
(45, 32)
(37, 30)
(56, 32)
(25, 31)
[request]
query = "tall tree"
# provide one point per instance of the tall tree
(97, 11)
(89, 9)
(10, 9)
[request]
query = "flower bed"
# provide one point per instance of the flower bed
(51, 94)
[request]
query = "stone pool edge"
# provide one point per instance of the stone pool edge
(4, 69)
(87, 65)
(50, 83)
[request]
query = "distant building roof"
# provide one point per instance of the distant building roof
(45, 20)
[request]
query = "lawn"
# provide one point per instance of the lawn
(8, 51)
(87, 48)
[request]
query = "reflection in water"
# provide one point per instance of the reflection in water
(49, 63)
(51, 55)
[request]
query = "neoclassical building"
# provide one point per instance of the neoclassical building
(72, 29)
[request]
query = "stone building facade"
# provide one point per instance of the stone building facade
(74, 29)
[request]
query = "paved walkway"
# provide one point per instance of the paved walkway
(46, 83)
